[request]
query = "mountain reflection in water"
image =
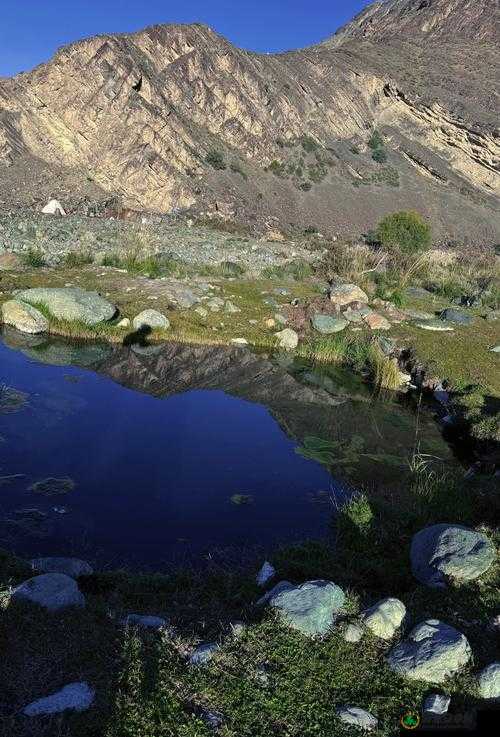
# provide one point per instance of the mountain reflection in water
(187, 448)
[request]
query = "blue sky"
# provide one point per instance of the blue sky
(32, 30)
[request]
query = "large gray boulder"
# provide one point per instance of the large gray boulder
(51, 591)
(70, 303)
(74, 696)
(444, 553)
(357, 717)
(24, 317)
(72, 567)
(432, 652)
(385, 617)
(489, 682)
(311, 607)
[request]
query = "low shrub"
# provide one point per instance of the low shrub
(73, 259)
(375, 141)
(309, 144)
(379, 155)
(215, 159)
(33, 257)
(406, 231)
(236, 167)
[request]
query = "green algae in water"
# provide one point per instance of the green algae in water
(241, 499)
(345, 454)
(53, 486)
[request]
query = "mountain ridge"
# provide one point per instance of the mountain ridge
(136, 114)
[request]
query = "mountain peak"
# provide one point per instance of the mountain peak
(450, 20)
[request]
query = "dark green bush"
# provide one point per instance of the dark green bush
(215, 159)
(379, 155)
(376, 141)
(308, 144)
(33, 257)
(406, 231)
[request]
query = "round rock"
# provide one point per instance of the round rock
(310, 608)
(432, 652)
(74, 696)
(385, 617)
(72, 567)
(489, 682)
(344, 294)
(150, 319)
(353, 633)
(451, 315)
(24, 317)
(287, 339)
(450, 552)
(377, 322)
(52, 591)
(327, 325)
(203, 653)
(357, 717)
(70, 303)
(436, 703)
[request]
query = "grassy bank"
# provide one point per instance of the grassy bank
(269, 679)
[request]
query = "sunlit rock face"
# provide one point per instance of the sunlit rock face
(136, 115)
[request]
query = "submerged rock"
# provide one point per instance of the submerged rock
(12, 400)
(70, 303)
(432, 652)
(24, 317)
(52, 486)
(74, 696)
(52, 591)
(72, 567)
(357, 717)
(310, 608)
(385, 617)
(150, 319)
(441, 553)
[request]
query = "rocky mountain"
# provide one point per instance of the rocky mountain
(175, 118)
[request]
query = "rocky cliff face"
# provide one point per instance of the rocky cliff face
(137, 114)
(448, 20)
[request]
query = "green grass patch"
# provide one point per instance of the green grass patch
(33, 257)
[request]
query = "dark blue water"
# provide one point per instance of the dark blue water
(153, 476)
